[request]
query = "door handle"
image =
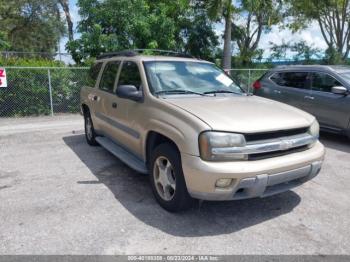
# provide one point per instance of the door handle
(277, 91)
(114, 105)
(93, 97)
(309, 97)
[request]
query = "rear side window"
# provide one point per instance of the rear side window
(130, 75)
(109, 75)
(323, 82)
(93, 73)
(290, 79)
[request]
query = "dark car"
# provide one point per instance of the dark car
(320, 90)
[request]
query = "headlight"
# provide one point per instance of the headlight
(314, 129)
(212, 146)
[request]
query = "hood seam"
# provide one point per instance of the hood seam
(191, 114)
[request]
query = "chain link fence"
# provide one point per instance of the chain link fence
(34, 91)
(246, 77)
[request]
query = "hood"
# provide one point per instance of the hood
(243, 114)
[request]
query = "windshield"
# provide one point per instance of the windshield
(346, 76)
(180, 77)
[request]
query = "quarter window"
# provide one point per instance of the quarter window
(130, 75)
(323, 82)
(291, 79)
(93, 73)
(109, 75)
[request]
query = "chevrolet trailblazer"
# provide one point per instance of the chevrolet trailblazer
(196, 133)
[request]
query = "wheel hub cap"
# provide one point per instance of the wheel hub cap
(164, 178)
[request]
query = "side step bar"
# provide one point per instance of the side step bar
(128, 158)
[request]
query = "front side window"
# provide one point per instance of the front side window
(130, 75)
(188, 77)
(323, 82)
(291, 79)
(109, 75)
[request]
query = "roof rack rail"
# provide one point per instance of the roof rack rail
(135, 52)
(120, 53)
(164, 52)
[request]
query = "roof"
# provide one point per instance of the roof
(147, 54)
(154, 58)
(333, 68)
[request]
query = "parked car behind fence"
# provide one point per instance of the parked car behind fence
(322, 91)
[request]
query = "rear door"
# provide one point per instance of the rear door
(290, 87)
(93, 77)
(331, 110)
(104, 96)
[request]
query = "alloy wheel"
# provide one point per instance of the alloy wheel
(164, 178)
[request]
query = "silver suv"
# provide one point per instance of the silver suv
(323, 91)
(196, 132)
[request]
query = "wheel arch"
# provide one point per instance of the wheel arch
(84, 108)
(155, 138)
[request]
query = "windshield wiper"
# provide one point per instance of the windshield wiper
(178, 91)
(222, 92)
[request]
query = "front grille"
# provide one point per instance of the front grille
(261, 156)
(275, 134)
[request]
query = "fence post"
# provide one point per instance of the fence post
(50, 90)
(249, 77)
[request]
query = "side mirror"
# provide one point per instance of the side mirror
(340, 90)
(129, 92)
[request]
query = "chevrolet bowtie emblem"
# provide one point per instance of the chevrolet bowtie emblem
(286, 144)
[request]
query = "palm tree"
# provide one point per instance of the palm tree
(223, 9)
(65, 6)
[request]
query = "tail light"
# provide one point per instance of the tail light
(257, 85)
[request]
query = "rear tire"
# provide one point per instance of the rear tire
(90, 133)
(167, 179)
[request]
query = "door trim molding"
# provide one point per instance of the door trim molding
(120, 126)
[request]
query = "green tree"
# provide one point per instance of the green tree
(113, 25)
(306, 53)
(218, 10)
(299, 51)
(122, 24)
(252, 18)
(4, 44)
(31, 25)
(279, 52)
(201, 40)
(332, 16)
(333, 57)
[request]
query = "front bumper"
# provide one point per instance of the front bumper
(251, 179)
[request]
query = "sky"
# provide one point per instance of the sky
(312, 35)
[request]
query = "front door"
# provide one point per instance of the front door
(125, 112)
(331, 110)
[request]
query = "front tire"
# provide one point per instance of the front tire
(90, 134)
(167, 179)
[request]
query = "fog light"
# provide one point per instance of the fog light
(223, 182)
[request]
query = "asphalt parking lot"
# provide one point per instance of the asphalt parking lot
(60, 196)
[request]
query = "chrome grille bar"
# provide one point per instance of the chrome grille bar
(270, 145)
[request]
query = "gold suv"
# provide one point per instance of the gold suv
(195, 131)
